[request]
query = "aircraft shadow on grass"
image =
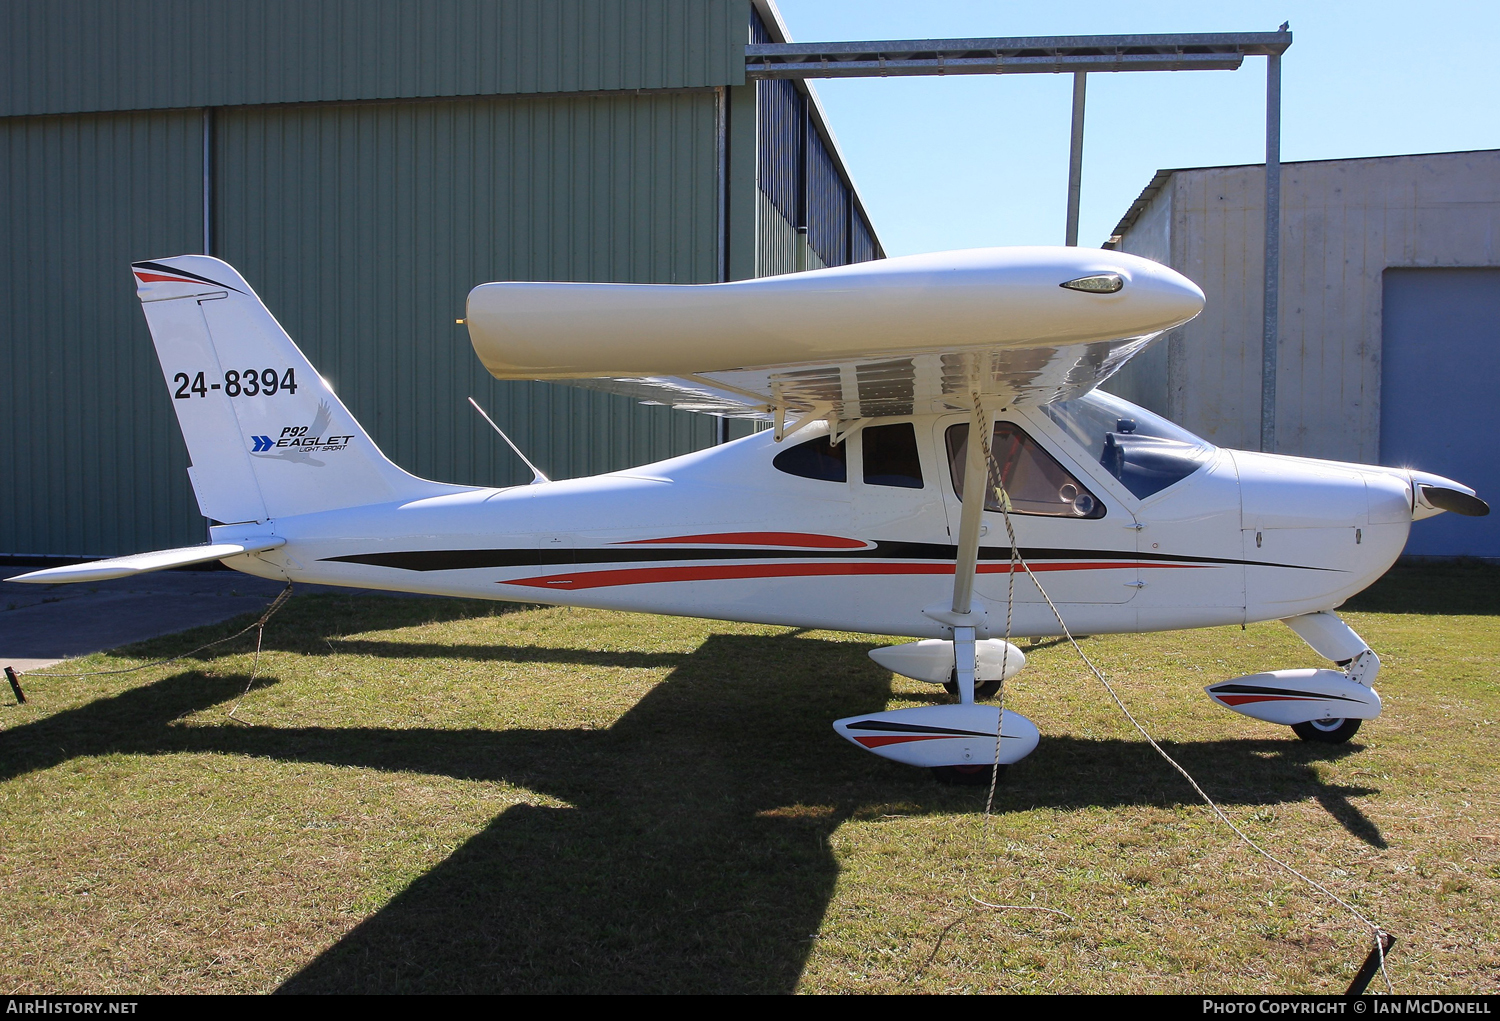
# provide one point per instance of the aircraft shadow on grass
(684, 864)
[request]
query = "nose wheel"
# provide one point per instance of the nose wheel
(1330, 731)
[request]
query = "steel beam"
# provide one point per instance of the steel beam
(1022, 55)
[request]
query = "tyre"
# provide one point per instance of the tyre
(965, 776)
(1333, 731)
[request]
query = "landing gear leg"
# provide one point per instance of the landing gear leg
(983, 690)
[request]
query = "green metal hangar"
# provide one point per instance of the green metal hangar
(364, 165)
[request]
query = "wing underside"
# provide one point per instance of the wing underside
(885, 386)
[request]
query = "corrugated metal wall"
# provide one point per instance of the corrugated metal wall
(68, 56)
(362, 201)
(91, 459)
(781, 113)
(364, 226)
(800, 177)
(828, 204)
(863, 246)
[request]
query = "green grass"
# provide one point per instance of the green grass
(439, 795)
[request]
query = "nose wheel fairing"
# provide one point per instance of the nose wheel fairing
(1290, 697)
(1324, 706)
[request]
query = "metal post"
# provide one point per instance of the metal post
(208, 180)
(1273, 254)
(1075, 157)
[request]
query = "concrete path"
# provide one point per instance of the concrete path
(44, 624)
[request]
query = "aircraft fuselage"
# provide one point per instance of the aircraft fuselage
(725, 533)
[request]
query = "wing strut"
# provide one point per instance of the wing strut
(967, 563)
(536, 473)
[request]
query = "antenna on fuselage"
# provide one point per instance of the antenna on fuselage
(536, 473)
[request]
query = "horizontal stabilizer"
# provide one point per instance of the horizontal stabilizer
(144, 563)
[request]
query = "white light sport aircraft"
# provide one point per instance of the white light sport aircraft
(852, 514)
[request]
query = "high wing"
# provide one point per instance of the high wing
(911, 335)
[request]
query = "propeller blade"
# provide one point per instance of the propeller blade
(1453, 500)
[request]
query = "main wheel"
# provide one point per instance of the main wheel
(965, 776)
(1334, 731)
(983, 690)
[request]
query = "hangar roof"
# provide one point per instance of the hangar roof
(1160, 179)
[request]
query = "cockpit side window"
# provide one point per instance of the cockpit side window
(1033, 479)
(815, 459)
(890, 456)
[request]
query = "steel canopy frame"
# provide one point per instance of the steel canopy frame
(1221, 51)
(1079, 55)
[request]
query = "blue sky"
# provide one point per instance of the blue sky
(981, 160)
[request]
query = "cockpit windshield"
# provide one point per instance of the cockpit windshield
(1140, 448)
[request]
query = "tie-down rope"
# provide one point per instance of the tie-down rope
(1003, 498)
(259, 625)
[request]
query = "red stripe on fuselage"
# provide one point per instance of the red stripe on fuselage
(800, 540)
(724, 572)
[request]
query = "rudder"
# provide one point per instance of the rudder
(266, 435)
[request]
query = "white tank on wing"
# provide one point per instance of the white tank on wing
(985, 298)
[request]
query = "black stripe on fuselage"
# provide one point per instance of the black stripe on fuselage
(472, 559)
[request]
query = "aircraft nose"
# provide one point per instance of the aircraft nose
(1434, 494)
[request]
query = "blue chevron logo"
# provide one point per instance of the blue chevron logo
(262, 443)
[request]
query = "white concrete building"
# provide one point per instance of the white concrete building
(1390, 316)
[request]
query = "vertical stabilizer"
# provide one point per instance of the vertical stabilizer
(266, 435)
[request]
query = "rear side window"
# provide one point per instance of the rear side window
(815, 459)
(1036, 483)
(890, 456)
